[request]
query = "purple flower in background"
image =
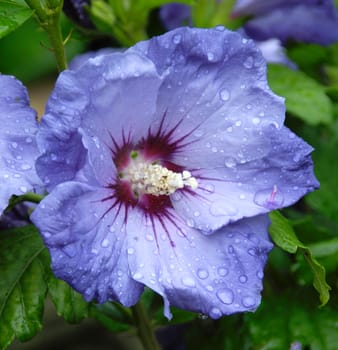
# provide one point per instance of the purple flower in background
(17, 141)
(76, 11)
(175, 15)
(314, 21)
(163, 162)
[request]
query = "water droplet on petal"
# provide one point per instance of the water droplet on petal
(255, 121)
(224, 94)
(202, 274)
(211, 56)
(23, 189)
(222, 271)
(270, 198)
(130, 251)
(209, 288)
(248, 63)
(177, 38)
(220, 28)
(149, 237)
(243, 278)
(215, 313)
(248, 301)
(260, 274)
(226, 296)
(230, 162)
(190, 222)
(137, 276)
(188, 282)
(26, 166)
(105, 243)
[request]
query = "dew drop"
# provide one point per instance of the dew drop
(260, 274)
(188, 282)
(23, 189)
(255, 121)
(26, 166)
(202, 274)
(243, 278)
(220, 28)
(248, 301)
(149, 237)
(190, 222)
(224, 94)
(222, 271)
(130, 251)
(14, 145)
(248, 63)
(105, 243)
(226, 296)
(270, 198)
(177, 38)
(209, 288)
(210, 56)
(230, 162)
(215, 313)
(137, 276)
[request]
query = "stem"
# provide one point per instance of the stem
(53, 30)
(48, 16)
(144, 328)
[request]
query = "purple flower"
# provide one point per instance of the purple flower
(76, 11)
(17, 141)
(162, 163)
(314, 21)
(175, 15)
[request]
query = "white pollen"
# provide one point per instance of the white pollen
(149, 178)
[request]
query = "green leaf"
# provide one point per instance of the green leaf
(305, 98)
(284, 237)
(282, 233)
(24, 270)
(113, 316)
(68, 303)
(285, 319)
(12, 15)
(325, 142)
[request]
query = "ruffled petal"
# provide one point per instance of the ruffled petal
(17, 141)
(108, 99)
(85, 236)
(216, 275)
(244, 189)
(214, 94)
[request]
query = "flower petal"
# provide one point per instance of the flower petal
(222, 77)
(108, 101)
(309, 21)
(244, 189)
(216, 275)
(17, 141)
(88, 249)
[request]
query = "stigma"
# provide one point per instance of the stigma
(153, 178)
